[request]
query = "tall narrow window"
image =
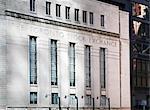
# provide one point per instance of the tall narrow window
(33, 97)
(32, 5)
(88, 100)
(58, 10)
(72, 100)
(91, 17)
(102, 20)
(53, 62)
(33, 60)
(67, 12)
(84, 16)
(72, 63)
(76, 14)
(88, 65)
(48, 8)
(102, 68)
(54, 98)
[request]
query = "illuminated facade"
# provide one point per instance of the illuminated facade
(63, 55)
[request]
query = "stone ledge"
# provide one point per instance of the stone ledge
(57, 23)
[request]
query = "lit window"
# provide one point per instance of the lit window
(91, 17)
(72, 64)
(33, 60)
(54, 98)
(88, 65)
(58, 10)
(32, 5)
(53, 62)
(33, 97)
(67, 12)
(48, 8)
(102, 20)
(102, 68)
(84, 16)
(76, 14)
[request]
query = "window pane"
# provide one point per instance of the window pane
(72, 100)
(103, 101)
(76, 14)
(33, 97)
(48, 8)
(67, 12)
(53, 62)
(102, 20)
(32, 5)
(88, 66)
(58, 10)
(102, 68)
(54, 98)
(91, 17)
(72, 63)
(88, 100)
(84, 16)
(33, 60)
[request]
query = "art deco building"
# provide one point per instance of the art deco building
(63, 54)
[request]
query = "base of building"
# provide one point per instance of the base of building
(63, 108)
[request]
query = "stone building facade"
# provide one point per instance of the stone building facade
(63, 55)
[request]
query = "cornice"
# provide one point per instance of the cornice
(57, 23)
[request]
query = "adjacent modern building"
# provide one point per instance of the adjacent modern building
(67, 54)
(140, 54)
